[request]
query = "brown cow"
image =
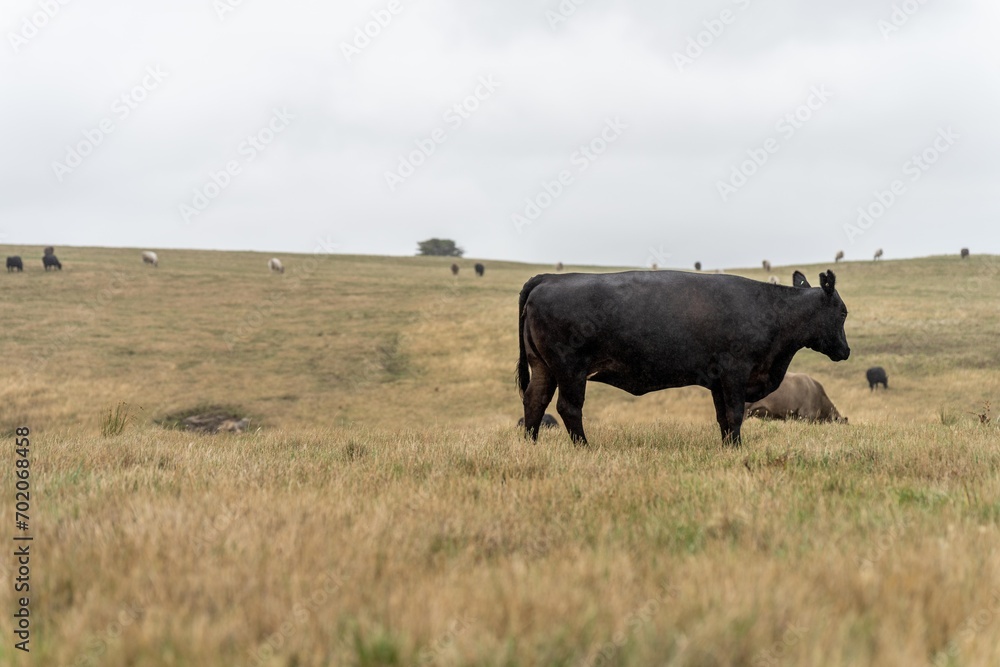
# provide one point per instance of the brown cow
(797, 397)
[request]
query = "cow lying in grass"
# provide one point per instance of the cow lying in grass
(797, 397)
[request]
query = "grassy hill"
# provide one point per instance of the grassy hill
(386, 511)
(398, 342)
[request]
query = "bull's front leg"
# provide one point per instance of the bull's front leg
(735, 406)
(721, 413)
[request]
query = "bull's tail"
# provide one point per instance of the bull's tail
(522, 376)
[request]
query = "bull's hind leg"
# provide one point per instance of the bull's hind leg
(570, 407)
(537, 397)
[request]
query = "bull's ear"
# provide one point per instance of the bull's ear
(827, 281)
(799, 280)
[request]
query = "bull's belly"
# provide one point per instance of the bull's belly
(638, 386)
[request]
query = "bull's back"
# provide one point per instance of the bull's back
(643, 331)
(668, 303)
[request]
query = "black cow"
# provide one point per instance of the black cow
(642, 331)
(49, 250)
(876, 376)
(480, 270)
(548, 421)
(14, 263)
(50, 262)
(454, 269)
(965, 253)
(697, 266)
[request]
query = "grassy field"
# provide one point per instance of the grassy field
(383, 510)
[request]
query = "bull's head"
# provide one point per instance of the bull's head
(827, 326)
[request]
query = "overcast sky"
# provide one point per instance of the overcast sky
(604, 132)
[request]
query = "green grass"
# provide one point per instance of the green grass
(389, 513)
(113, 421)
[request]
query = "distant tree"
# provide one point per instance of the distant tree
(439, 248)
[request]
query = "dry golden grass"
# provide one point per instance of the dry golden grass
(387, 512)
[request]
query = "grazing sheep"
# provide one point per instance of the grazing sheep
(653, 266)
(149, 257)
(878, 254)
(767, 265)
(774, 280)
(275, 265)
(840, 256)
(559, 266)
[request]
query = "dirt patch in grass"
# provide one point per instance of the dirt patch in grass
(208, 419)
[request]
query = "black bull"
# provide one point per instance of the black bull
(643, 331)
